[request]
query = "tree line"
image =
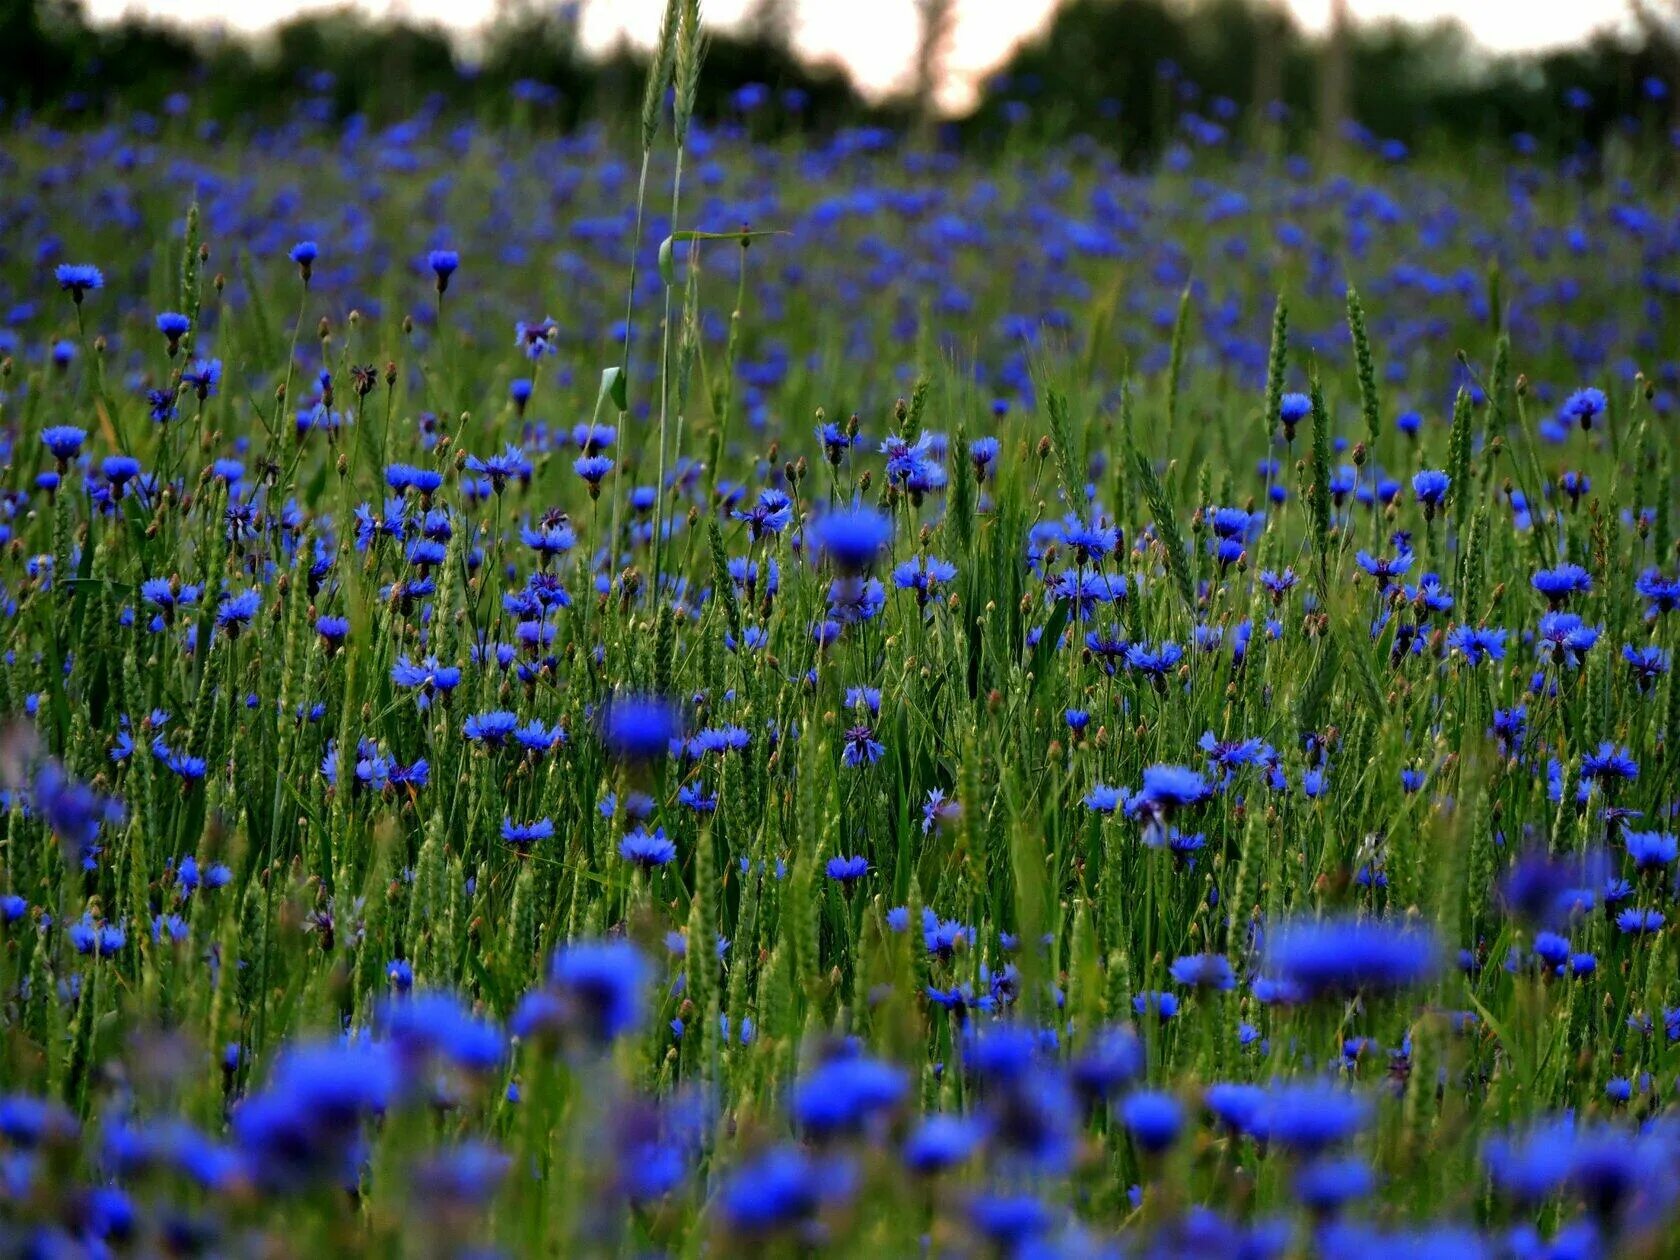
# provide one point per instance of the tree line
(1138, 75)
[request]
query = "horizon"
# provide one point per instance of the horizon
(875, 40)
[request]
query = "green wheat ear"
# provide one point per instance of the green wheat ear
(1370, 401)
(1319, 490)
(659, 71)
(1277, 363)
(690, 52)
(1175, 363)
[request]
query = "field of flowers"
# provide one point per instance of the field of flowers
(656, 693)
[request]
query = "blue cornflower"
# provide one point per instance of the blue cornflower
(204, 376)
(1089, 541)
(27, 1121)
(534, 737)
(1558, 584)
(304, 254)
(960, 1000)
(719, 739)
(770, 515)
(1429, 596)
(982, 454)
(236, 611)
(425, 678)
(1308, 1117)
(161, 406)
(1637, 922)
(97, 937)
(835, 441)
(1563, 637)
(1228, 755)
(1000, 1053)
(1293, 408)
(924, 575)
(536, 339)
(78, 279)
(304, 1128)
(1204, 971)
(1430, 486)
(1279, 584)
(1167, 789)
(1182, 845)
(119, 470)
(907, 461)
(1114, 1058)
(1575, 484)
(865, 697)
(491, 728)
(1383, 567)
(938, 810)
(843, 1094)
(1154, 662)
(603, 984)
(509, 465)
(1651, 850)
(1153, 1119)
(1011, 1223)
(1609, 763)
(1584, 406)
(1530, 1167)
(942, 936)
(592, 468)
(1550, 948)
(695, 797)
(443, 263)
(852, 537)
(427, 1026)
(647, 849)
(1102, 798)
(1086, 590)
(1647, 664)
(173, 325)
(847, 870)
(1662, 592)
(591, 438)
(1348, 955)
(333, 631)
(1232, 524)
(1324, 1186)
(861, 747)
(524, 835)
(940, 1142)
(1162, 1005)
(64, 441)
(1477, 643)
(778, 1190)
(639, 728)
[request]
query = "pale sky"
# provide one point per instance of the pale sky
(876, 38)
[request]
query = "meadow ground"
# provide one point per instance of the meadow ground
(1020, 707)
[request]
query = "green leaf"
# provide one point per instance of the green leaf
(614, 386)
